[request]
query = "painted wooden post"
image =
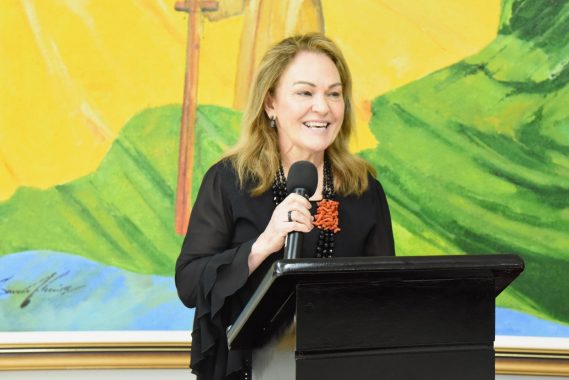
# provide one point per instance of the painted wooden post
(186, 153)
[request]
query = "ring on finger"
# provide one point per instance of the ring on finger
(290, 215)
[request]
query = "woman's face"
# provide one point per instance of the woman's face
(308, 105)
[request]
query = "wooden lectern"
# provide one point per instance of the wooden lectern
(388, 318)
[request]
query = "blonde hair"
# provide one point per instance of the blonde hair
(256, 156)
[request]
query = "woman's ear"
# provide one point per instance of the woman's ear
(269, 107)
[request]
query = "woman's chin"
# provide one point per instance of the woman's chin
(315, 148)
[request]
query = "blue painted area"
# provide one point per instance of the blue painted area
(82, 295)
(65, 292)
(510, 322)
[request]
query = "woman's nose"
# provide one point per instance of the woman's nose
(320, 104)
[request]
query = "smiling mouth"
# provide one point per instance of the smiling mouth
(315, 124)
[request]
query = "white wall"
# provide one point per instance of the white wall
(110, 374)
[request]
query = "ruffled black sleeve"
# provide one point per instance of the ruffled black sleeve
(210, 269)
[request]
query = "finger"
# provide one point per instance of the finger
(293, 204)
(297, 218)
(298, 211)
(300, 227)
(301, 216)
(289, 216)
(298, 200)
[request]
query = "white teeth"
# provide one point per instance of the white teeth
(315, 124)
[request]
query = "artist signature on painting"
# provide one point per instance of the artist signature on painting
(49, 285)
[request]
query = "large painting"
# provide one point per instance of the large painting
(461, 106)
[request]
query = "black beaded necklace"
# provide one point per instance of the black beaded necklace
(325, 245)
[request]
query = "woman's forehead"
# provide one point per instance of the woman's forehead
(311, 68)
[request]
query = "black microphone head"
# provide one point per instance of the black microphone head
(302, 175)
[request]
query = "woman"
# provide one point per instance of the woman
(300, 108)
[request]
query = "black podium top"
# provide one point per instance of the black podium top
(274, 299)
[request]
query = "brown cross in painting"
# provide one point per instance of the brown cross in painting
(186, 155)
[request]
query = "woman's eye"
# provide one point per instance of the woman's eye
(304, 93)
(336, 94)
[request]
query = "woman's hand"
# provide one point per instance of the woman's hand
(273, 238)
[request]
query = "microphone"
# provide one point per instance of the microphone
(303, 180)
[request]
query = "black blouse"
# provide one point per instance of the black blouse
(212, 272)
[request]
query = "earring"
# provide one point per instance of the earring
(273, 122)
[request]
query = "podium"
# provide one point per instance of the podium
(388, 318)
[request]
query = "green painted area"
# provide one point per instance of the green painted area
(475, 157)
(123, 213)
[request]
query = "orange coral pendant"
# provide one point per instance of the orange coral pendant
(326, 217)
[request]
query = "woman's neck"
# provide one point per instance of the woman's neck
(317, 159)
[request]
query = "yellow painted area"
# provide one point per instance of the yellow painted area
(77, 71)
(218, 61)
(389, 43)
(73, 72)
